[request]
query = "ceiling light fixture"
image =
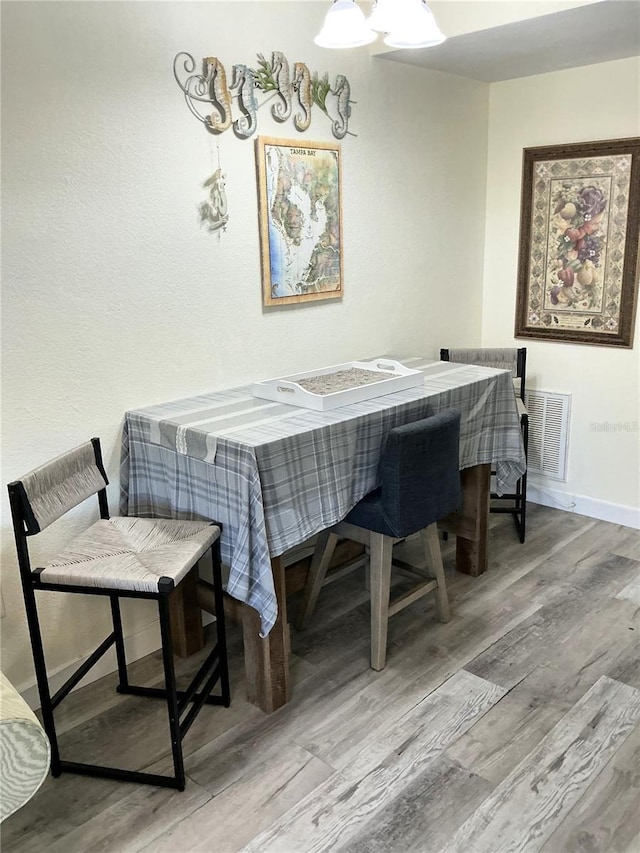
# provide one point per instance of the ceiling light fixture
(384, 14)
(406, 23)
(416, 27)
(344, 26)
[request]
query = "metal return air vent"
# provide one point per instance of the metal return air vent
(548, 433)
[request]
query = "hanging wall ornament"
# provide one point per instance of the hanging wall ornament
(213, 212)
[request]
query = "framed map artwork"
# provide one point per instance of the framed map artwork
(300, 213)
(578, 264)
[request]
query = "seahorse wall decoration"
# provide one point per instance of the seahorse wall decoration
(341, 90)
(282, 110)
(243, 82)
(271, 77)
(219, 94)
(302, 86)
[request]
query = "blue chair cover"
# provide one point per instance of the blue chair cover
(419, 478)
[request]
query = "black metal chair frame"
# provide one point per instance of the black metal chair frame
(213, 670)
(517, 499)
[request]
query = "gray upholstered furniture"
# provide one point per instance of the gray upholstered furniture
(419, 484)
(24, 750)
(515, 360)
(115, 558)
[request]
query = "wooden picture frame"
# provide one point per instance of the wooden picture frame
(300, 217)
(579, 227)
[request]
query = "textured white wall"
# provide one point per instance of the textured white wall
(579, 105)
(115, 298)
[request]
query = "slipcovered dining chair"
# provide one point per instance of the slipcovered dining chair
(419, 484)
(514, 360)
(117, 558)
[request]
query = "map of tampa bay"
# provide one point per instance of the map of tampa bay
(300, 207)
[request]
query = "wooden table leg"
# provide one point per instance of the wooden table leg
(470, 523)
(266, 660)
(186, 618)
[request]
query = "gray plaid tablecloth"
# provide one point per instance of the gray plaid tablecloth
(275, 475)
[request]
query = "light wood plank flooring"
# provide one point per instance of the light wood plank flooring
(514, 727)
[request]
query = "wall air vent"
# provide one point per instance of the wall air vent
(548, 433)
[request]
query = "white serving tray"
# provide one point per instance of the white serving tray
(393, 377)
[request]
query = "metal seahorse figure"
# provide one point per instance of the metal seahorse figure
(280, 65)
(342, 91)
(302, 87)
(243, 81)
(196, 86)
(216, 79)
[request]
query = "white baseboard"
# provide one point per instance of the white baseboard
(137, 646)
(604, 510)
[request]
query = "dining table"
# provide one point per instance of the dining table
(275, 475)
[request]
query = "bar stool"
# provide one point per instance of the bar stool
(117, 558)
(514, 360)
(419, 484)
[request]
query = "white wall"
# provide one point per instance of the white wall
(113, 297)
(582, 104)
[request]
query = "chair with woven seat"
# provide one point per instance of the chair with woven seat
(514, 360)
(119, 558)
(419, 484)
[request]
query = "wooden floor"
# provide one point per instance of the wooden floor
(515, 727)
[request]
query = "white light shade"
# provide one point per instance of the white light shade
(417, 28)
(384, 15)
(344, 26)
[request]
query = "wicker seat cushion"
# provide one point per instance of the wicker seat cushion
(131, 553)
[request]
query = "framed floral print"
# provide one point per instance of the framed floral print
(578, 262)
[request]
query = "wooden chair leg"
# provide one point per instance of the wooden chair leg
(322, 555)
(367, 570)
(433, 554)
(381, 550)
